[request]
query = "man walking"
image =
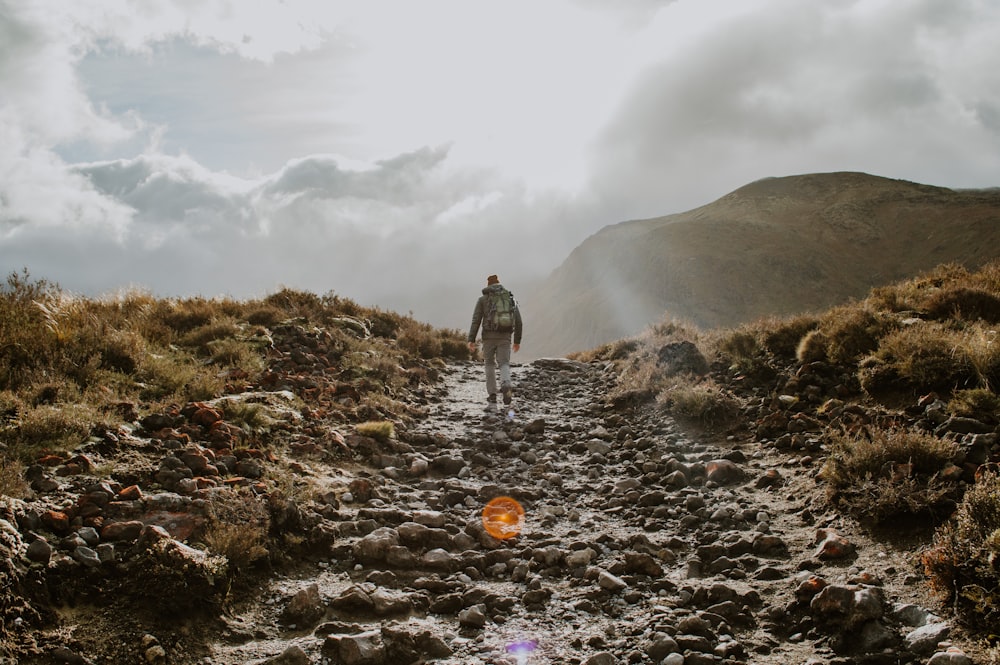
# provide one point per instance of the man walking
(500, 317)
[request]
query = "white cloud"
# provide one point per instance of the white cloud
(397, 152)
(806, 87)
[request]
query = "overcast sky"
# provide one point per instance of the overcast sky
(390, 150)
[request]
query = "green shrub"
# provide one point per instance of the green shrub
(962, 564)
(295, 303)
(981, 347)
(236, 353)
(183, 316)
(419, 339)
(882, 474)
(739, 344)
(617, 350)
(122, 351)
(178, 378)
(252, 419)
(454, 345)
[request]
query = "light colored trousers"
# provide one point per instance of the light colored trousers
(496, 351)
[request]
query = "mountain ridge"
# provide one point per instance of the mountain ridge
(776, 246)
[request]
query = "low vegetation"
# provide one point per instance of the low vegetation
(869, 386)
(962, 564)
(69, 365)
(883, 475)
(82, 374)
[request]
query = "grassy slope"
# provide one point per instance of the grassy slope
(776, 246)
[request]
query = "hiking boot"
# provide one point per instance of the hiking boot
(492, 399)
(507, 393)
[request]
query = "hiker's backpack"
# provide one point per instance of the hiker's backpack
(499, 314)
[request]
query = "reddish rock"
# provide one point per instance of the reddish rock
(122, 531)
(810, 588)
(723, 471)
(770, 478)
(362, 489)
(206, 416)
(69, 469)
(204, 483)
(89, 510)
(97, 522)
(178, 525)
(56, 520)
(130, 493)
(194, 461)
(832, 545)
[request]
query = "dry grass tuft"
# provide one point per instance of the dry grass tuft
(12, 482)
(964, 562)
(979, 403)
(382, 430)
(881, 474)
(702, 403)
(237, 529)
(924, 357)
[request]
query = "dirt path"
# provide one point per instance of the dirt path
(641, 544)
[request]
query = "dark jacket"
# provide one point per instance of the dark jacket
(480, 311)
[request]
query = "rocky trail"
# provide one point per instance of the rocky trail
(641, 544)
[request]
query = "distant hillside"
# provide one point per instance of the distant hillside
(776, 246)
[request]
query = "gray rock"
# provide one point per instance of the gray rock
(661, 646)
(293, 655)
(305, 608)
(39, 551)
(375, 546)
(874, 636)
(681, 357)
(473, 617)
(364, 648)
(106, 552)
(602, 658)
(610, 582)
(951, 657)
(439, 560)
(924, 640)
(87, 557)
(913, 615)
(89, 535)
(388, 602)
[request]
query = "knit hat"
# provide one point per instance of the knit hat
(492, 279)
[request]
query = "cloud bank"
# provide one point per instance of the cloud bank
(396, 154)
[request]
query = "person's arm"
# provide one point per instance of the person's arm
(517, 328)
(477, 318)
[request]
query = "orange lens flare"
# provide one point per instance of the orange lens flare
(503, 517)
